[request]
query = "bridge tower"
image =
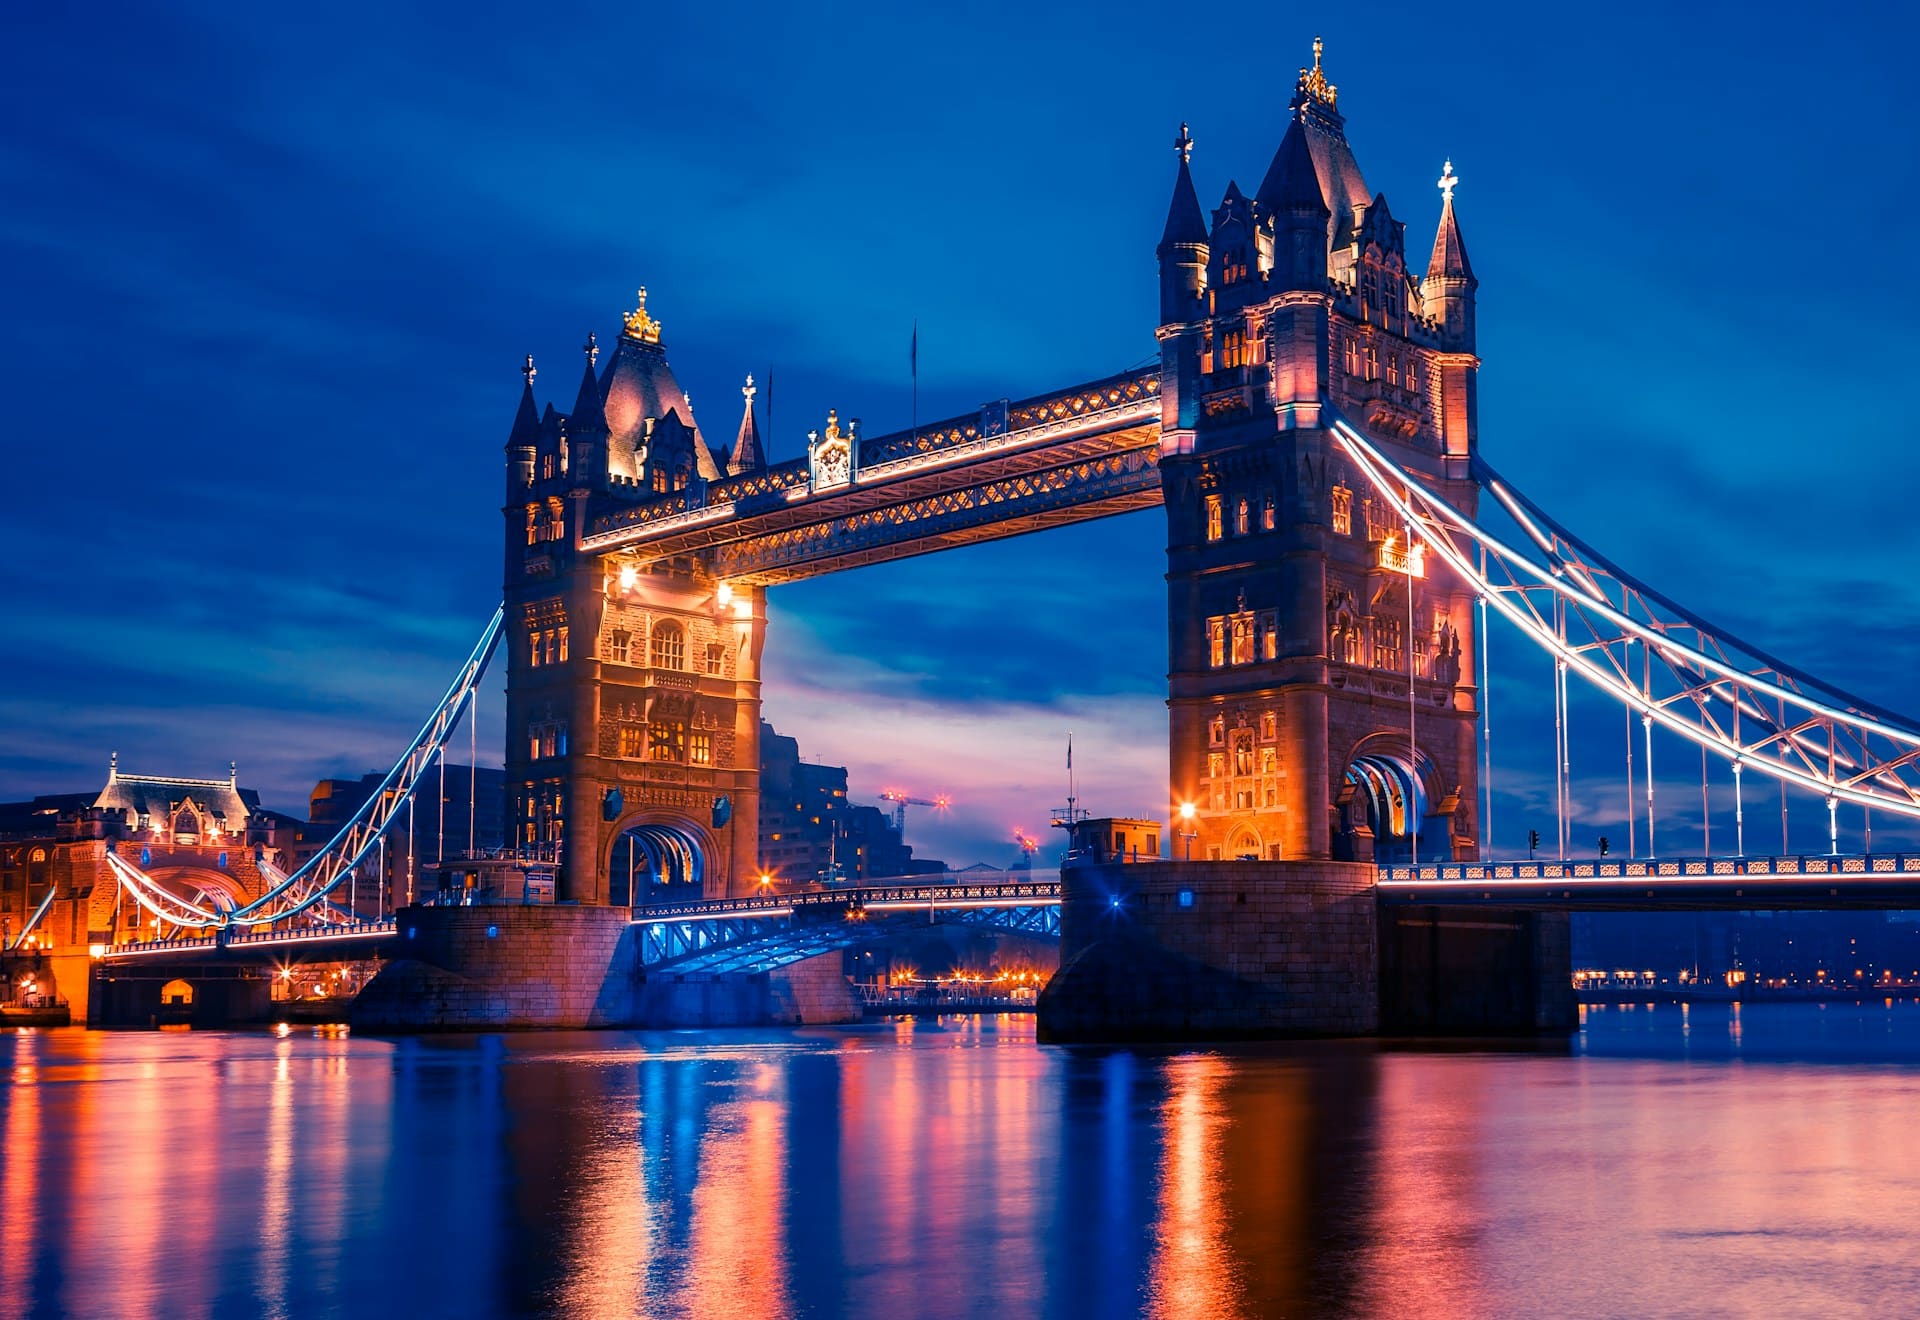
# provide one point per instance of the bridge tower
(633, 681)
(1298, 619)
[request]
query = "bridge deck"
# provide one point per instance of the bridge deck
(1886, 881)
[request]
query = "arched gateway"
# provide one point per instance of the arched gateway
(1302, 620)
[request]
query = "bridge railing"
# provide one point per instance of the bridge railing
(1043, 890)
(1798, 867)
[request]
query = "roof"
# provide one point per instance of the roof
(638, 384)
(749, 455)
(36, 819)
(1292, 185)
(158, 795)
(1449, 249)
(1185, 223)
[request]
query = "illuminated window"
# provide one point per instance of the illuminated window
(1268, 629)
(667, 740)
(1242, 518)
(1243, 639)
(533, 648)
(550, 643)
(700, 748)
(1269, 760)
(716, 654)
(1373, 363)
(1233, 347)
(632, 740)
(1413, 374)
(1216, 641)
(1269, 726)
(1216, 765)
(1353, 356)
(619, 645)
(1233, 269)
(533, 524)
(1242, 752)
(1393, 369)
(660, 481)
(1213, 518)
(1217, 731)
(563, 643)
(546, 466)
(1388, 635)
(556, 520)
(1267, 514)
(1342, 511)
(669, 646)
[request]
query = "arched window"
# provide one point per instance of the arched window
(669, 645)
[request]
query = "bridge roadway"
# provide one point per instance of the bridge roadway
(738, 934)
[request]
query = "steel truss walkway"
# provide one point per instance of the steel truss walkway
(1880, 882)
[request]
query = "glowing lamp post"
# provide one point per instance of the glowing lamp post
(1186, 819)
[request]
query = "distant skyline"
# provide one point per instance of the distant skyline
(273, 273)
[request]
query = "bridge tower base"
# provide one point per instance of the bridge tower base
(1182, 951)
(506, 968)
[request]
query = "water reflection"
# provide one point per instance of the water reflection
(955, 1168)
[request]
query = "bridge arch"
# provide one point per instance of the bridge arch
(202, 885)
(1385, 797)
(657, 854)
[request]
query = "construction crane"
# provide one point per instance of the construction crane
(902, 801)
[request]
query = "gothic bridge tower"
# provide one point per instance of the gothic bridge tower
(633, 683)
(1321, 674)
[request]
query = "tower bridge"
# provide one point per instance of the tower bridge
(1310, 429)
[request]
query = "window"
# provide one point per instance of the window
(1217, 731)
(533, 524)
(716, 654)
(700, 748)
(1269, 726)
(1353, 356)
(1393, 369)
(563, 643)
(1267, 626)
(1387, 641)
(1233, 346)
(1242, 523)
(1213, 517)
(1242, 753)
(1242, 639)
(1216, 642)
(1267, 514)
(659, 481)
(1216, 765)
(1342, 511)
(619, 645)
(546, 466)
(1413, 375)
(533, 648)
(667, 740)
(1269, 760)
(669, 646)
(1233, 269)
(1373, 363)
(546, 739)
(556, 521)
(632, 740)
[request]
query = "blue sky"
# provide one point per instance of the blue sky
(271, 271)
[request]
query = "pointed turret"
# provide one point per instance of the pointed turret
(1291, 196)
(1183, 243)
(1447, 289)
(748, 454)
(587, 425)
(524, 440)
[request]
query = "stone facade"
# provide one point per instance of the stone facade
(1190, 951)
(1299, 615)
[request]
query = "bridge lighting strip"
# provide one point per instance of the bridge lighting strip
(38, 913)
(730, 914)
(213, 945)
(1371, 462)
(1742, 881)
(907, 904)
(432, 736)
(135, 883)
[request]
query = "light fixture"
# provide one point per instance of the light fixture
(628, 576)
(723, 593)
(1186, 811)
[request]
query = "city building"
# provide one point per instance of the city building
(465, 806)
(810, 831)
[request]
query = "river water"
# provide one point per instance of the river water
(1700, 1161)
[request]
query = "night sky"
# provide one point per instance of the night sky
(271, 271)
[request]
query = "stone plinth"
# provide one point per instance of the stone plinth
(529, 967)
(1209, 950)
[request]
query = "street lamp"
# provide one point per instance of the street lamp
(1186, 818)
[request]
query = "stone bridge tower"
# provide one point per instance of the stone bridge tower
(1298, 617)
(633, 683)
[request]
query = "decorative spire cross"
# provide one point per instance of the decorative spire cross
(529, 371)
(1184, 144)
(592, 349)
(748, 391)
(1314, 81)
(1447, 181)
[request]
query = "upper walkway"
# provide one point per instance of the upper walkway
(1872, 881)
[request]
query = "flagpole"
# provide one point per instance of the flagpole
(913, 357)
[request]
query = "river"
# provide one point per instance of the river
(1690, 1161)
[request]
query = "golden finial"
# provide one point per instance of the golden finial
(1314, 81)
(640, 325)
(833, 424)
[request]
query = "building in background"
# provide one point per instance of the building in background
(810, 831)
(469, 817)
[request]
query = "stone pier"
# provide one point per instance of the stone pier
(1213, 950)
(528, 967)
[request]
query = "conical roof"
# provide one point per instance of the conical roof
(1292, 184)
(1449, 249)
(748, 453)
(526, 421)
(1185, 222)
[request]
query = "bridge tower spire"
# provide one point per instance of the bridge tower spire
(1183, 243)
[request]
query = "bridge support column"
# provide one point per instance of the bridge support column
(1476, 971)
(1208, 950)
